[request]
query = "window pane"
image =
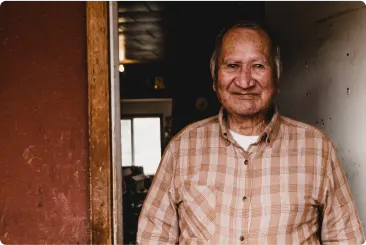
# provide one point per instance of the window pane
(126, 142)
(147, 145)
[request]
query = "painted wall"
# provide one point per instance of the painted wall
(44, 176)
(324, 76)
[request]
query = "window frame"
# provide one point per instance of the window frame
(148, 115)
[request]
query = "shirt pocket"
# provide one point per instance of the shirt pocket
(197, 212)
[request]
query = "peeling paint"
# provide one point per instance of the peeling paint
(28, 154)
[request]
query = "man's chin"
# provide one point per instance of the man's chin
(246, 112)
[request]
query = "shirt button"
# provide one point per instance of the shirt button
(246, 162)
(241, 238)
(244, 198)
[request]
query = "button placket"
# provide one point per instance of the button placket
(246, 195)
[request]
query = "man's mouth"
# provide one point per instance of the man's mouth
(246, 94)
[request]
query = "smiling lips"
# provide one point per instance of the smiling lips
(246, 95)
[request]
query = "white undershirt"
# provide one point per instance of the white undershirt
(244, 141)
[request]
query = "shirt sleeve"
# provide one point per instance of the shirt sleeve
(340, 221)
(158, 221)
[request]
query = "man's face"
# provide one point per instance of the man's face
(245, 83)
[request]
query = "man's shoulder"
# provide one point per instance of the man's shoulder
(291, 126)
(191, 130)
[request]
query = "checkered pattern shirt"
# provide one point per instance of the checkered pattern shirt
(288, 188)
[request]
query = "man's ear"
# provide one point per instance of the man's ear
(279, 70)
(212, 68)
(278, 65)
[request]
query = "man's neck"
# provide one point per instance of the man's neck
(252, 125)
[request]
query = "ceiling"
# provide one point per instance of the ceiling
(141, 31)
(150, 31)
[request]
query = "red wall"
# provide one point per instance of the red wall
(44, 176)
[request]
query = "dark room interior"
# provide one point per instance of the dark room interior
(172, 40)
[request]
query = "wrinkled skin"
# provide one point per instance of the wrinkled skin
(245, 83)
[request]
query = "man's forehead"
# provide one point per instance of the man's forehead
(240, 36)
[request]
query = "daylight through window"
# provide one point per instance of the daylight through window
(141, 143)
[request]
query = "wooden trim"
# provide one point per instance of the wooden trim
(99, 122)
(117, 191)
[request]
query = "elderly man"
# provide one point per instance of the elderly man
(249, 175)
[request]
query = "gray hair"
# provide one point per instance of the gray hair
(275, 49)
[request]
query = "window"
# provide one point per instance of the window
(141, 142)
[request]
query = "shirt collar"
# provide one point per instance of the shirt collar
(269, 133)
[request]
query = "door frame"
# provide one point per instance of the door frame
(106, 216)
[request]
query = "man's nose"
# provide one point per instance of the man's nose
(244, 78)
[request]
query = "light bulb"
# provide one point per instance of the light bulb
(121, 68)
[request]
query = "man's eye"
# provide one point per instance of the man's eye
(232, 66)
(258, 66)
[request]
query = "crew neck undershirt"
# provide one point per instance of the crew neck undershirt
(243, 140)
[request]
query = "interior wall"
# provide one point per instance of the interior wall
(44, 176)
(138, 80)
(323, 82)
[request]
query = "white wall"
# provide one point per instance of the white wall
(323, 48)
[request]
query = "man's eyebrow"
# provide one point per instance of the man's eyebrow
(261, 59)
(232, 60)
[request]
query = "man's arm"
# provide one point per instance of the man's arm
(158, 221)
(341, 224)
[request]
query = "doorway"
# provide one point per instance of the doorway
(164, 53)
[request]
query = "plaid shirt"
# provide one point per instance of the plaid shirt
(288, 188)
